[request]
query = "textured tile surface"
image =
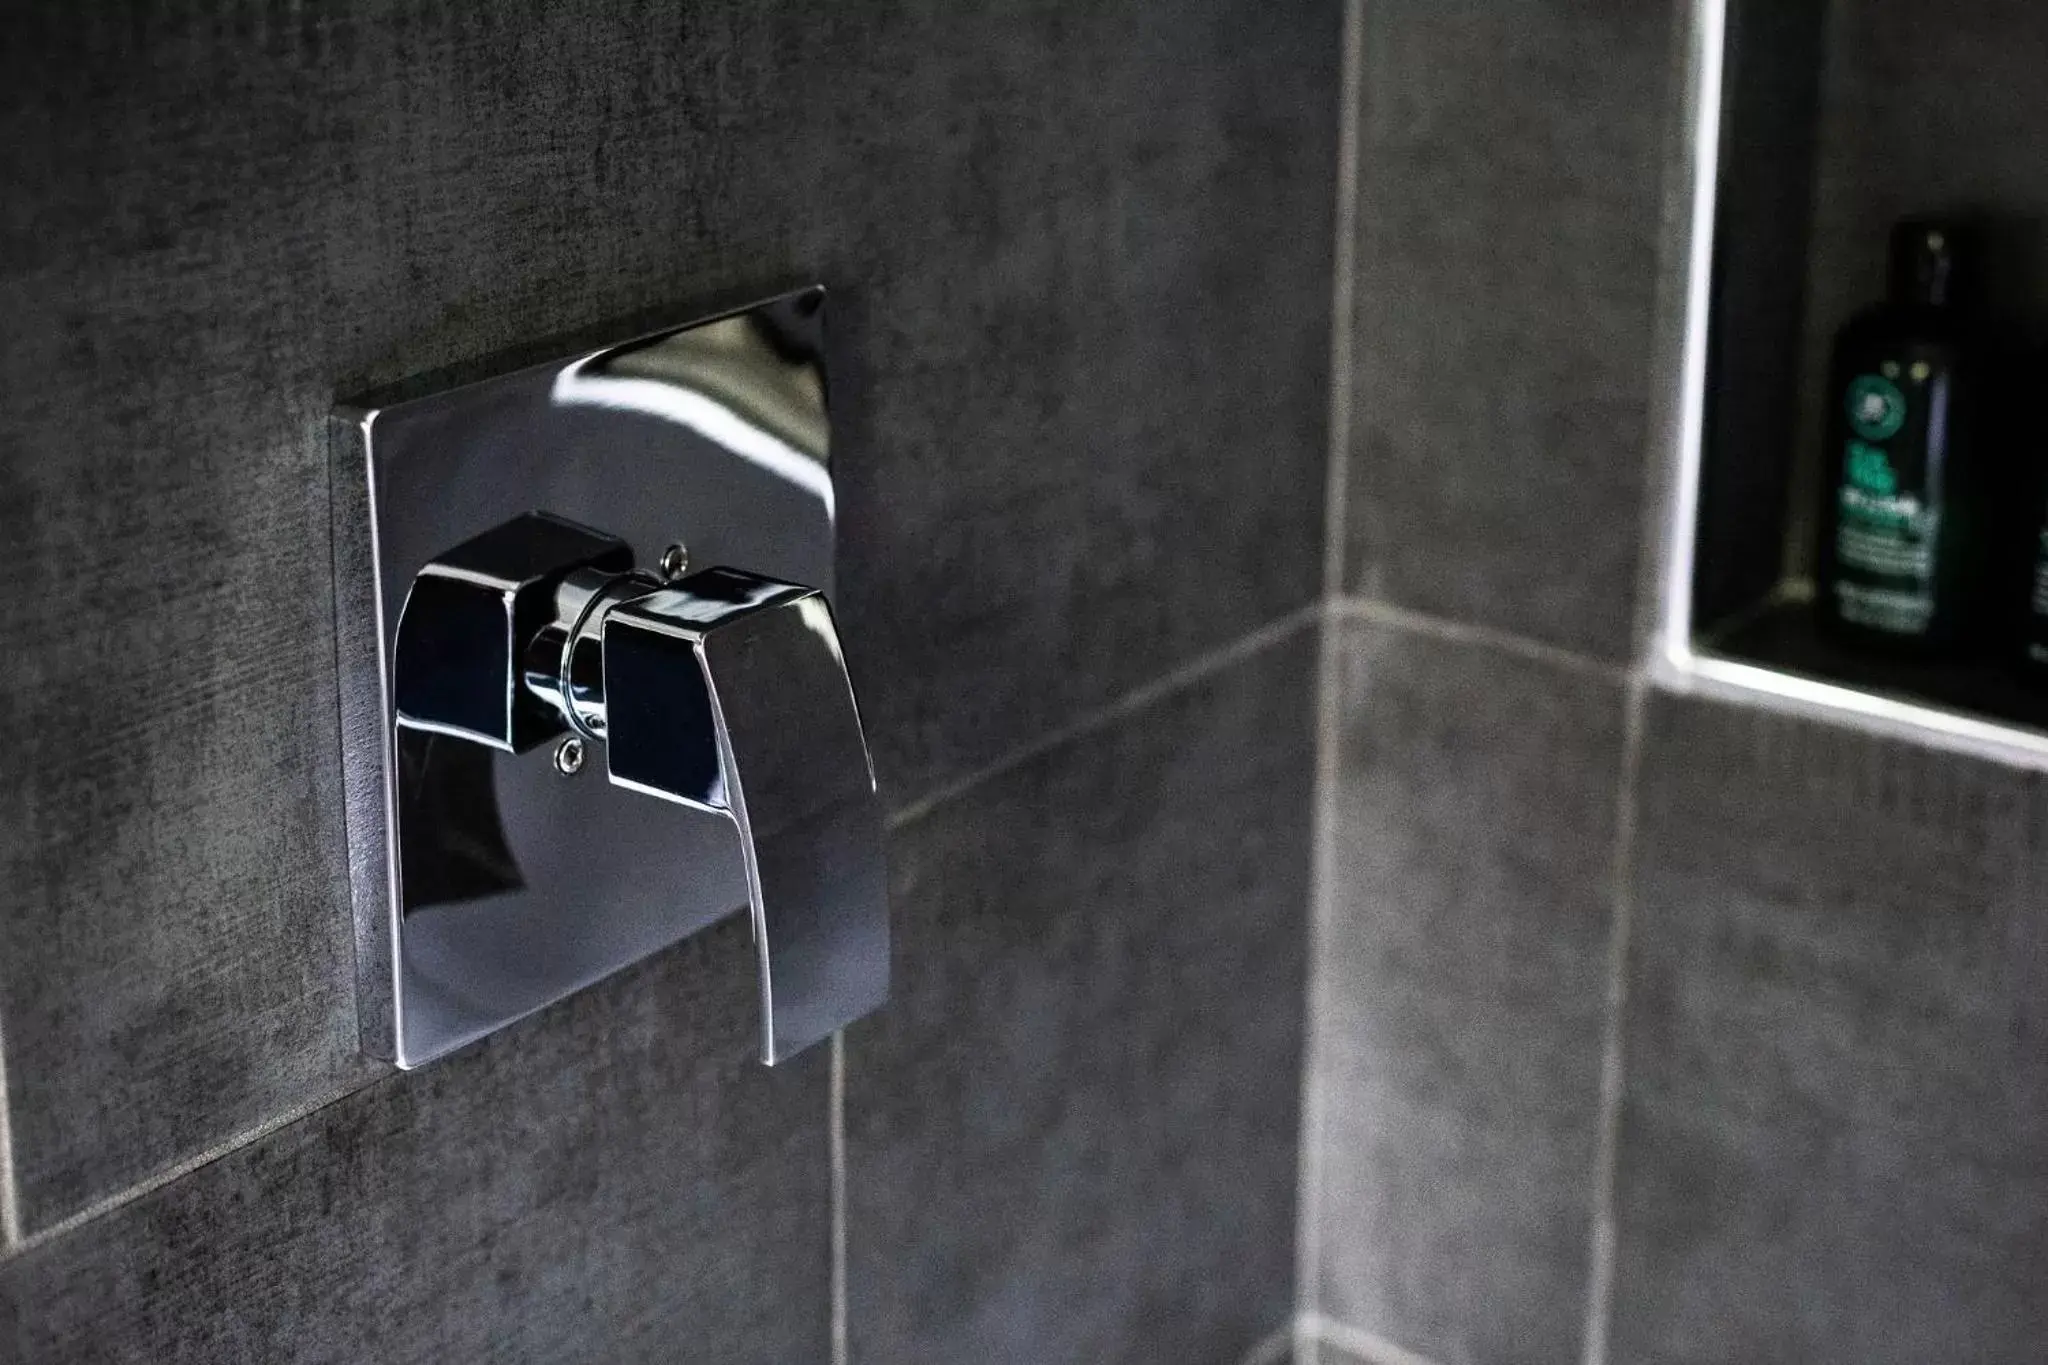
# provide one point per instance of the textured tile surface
(1837, 1083)
(1328, 1353)
(1509, 197)
(1072, 1135)
(1081, 262)
(616, 1180)
(1462, 989)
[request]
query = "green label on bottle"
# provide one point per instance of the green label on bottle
(1870, 469)
(1876, 407)
(1886, 533)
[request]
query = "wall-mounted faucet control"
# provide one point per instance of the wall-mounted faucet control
(488, 882)
(725, 692)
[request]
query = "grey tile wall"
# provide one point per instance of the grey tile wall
(615, 1180)
(1081, 262)
(1836, 1085)
(1510, 182)
(1072, 1137)
(1323, 1353)
(1330, 1353)
(1462, 993)
(1832, 1085)
(1080, 270)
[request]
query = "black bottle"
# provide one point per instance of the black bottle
(2034, 628)
(1904, 508)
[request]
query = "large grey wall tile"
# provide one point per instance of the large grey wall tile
(1461, 989)
(1509, 193)
(1072, 1135)
(1092, 377)
(1081, 262)
(616, 1180)
(1836, 1084)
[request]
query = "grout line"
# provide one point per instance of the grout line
(835, 1105)
(1366, 1346)
(1130, 703)
(1137, 699)
(1688, 239)
(14, 1242)
(10, 1196)
(1601, 1257)
(172, 1174)
(1307, 1349)
(1464, 632)
(1343, 297)
(1308, 1246)
(1275, 1348)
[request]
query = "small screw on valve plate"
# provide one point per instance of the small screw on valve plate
(674, 562)
(569, 757)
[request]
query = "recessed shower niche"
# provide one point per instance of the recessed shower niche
(1817, 131)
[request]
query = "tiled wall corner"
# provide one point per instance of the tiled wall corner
(1509, 193)
(1073, 1135)
(1462, 993)
(1511, 168)
(1825, 1064)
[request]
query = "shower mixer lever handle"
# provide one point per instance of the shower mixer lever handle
(724, 691)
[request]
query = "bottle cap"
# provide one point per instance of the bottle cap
(1931, 261)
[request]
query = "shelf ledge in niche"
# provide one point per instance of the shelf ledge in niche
(1684, 670)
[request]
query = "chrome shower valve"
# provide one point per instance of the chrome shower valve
(724, 691)
(489, 877)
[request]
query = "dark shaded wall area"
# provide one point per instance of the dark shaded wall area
(1648, 1029)
(1640, 1028)
(1081, 264)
